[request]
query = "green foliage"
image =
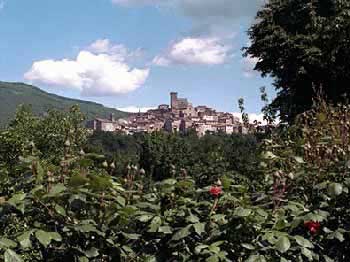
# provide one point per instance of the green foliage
(28, 134)
(204, 159)
(14, 94)
(74, 206)
(303, 45)
(161, 154)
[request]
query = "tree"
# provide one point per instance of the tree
(47, 134)
(304, 46)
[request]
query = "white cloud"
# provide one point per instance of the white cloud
(255, 117)
(99, 71)
(198, 51)
(118, 51)
(248, 65)
(135, 109)
(212, 19)
(252, 117)
(161, 61)
(105, 46)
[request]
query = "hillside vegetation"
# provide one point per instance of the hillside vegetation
(14, 94)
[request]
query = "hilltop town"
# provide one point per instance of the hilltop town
(179, 116)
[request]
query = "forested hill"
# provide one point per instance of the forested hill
(14, 94)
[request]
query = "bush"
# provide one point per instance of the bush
(180, 204)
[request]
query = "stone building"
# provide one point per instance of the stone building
(181, 106)
(100, 124)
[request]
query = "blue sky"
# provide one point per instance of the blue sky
(132, 53)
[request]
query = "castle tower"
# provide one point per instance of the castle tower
(173, 100)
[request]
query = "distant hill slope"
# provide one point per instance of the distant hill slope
(14, 94)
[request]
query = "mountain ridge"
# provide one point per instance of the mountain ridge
(13, 94)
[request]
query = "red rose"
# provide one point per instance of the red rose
(215, 191)
(312, 226)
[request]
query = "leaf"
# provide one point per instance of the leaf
(145, 205)
(299, 159)
(182, 233)
(242, 212)
(316, 216)
(214, 249)
(192, 219)
(268, 155)
(169, 181)
(336, 234)
(88, 228)
(2, 200)
(281, 224)
(155, 224)
(55, 236)
(218, 243)
(145, 218)
(121, 201)
(335, 189)
(126, 252)
(83, 259)
(16, 199)
(56, 190)
(283, 244)
(39, 174)
(165, 230)
(248, 246)
(198, 249)
(27, 160)
(213, 258)
(24, 239)
(11, 256)
(262, 213)
(220, 219)
(150, 259)
(60, 210)
(77, 197)
(45, 238)
(256, 258)
(328, 259)
(306, 252)
(78, 180)
(100, 183)
(199, 228)
(303, 242)
(132, 236)
(91, 253)
(7, 243)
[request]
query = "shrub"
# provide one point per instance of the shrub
(66, 204)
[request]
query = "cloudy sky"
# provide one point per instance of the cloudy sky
(132, 53)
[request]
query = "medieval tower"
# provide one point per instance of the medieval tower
(173, 100)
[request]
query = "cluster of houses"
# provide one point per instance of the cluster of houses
(179, 116)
